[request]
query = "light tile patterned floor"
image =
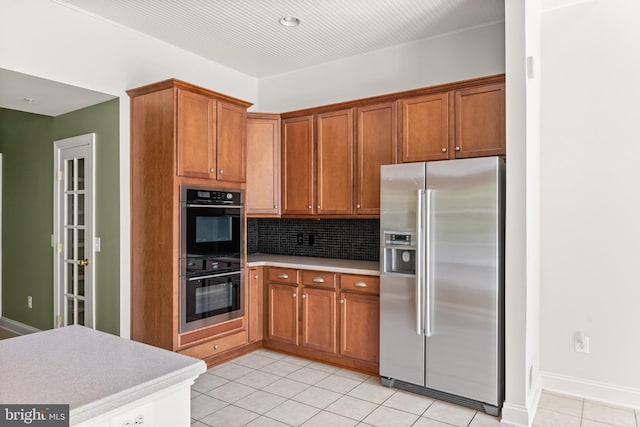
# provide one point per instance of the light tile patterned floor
(270, 389)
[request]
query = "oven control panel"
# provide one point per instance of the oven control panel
(213, 197)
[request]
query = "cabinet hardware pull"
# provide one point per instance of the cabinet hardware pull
(444, 150)
(304, 296)
(215, 346)
(457, 148)
(221, 171)
(309, 206)
(318, 206)
(212, 170)
(318, 280)
(358, 206)
(275, 206)
(342, 301)
(360, 284)
(255, 277)
(283, 276)
(294, 295)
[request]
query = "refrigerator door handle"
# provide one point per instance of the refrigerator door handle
(419, 262)
(427, 273)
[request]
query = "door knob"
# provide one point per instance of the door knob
(83, 262)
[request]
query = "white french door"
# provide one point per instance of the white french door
(74, 231)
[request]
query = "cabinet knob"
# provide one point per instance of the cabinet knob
(457, 148)
(309, 206)
(255, 277)
(342, 301)
(275, 206)
(444, 149)
(304, 296)
(212, 170)
(216, 346)
(358, 206)
(318, 206)
(221, 171)
(294, 295)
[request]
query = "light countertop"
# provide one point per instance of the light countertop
(370, 268)
(94, 372)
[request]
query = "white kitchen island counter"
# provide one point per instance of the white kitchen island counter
(369, 268)
(105, 379)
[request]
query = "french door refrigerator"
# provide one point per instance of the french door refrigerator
(441, 280)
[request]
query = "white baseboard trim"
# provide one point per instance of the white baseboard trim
(521, 416)
(17, 327)
(592, 390)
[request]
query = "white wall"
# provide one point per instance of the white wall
(590, 232)
(49, 40)
(456, 56)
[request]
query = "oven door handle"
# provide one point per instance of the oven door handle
(193, 205)
(213, 276)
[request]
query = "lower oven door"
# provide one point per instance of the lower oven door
(207, 300)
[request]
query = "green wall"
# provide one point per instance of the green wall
(26, 141)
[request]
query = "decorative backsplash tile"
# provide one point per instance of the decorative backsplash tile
(357, 239)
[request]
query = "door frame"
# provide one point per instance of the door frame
(1, 236)
(59, 145)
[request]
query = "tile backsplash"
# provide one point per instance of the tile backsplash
(357, 239)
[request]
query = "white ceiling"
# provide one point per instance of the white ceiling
(246, 36)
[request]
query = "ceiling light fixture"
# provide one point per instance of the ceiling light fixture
(29, 100)
(289, 21)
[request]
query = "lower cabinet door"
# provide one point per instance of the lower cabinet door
(283, 313)
(319, 319)
(360, 326)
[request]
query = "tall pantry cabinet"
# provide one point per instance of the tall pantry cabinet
(180, 134)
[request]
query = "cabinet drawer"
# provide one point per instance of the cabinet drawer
(215, 346)
(322, 279)
(283, 275)
(352, 282)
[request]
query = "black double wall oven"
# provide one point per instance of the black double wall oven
(211, 256)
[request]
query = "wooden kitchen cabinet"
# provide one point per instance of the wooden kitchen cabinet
(298, 166)
(480, 121)
(283, 313)
(255, 304)
(335, 152)
(360, 317)
(376, 145)
(262, 197)
(210, 137)
(319, 319)
(425, 128)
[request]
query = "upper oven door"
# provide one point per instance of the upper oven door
(212, 230)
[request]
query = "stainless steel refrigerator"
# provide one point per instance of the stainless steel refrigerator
(442, 280)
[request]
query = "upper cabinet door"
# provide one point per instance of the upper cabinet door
(195, 135)
(231, 153)
(425, 128)
(335, 162)
(263, 160)
(480, 121)
(297, 166)
(377, 145)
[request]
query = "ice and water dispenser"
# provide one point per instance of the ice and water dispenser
(399, 252)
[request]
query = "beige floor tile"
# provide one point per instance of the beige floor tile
(617, 416)
(449, 413)
(198, 424)
(483, 420)
(286, 388)
(562, 404)
(372, 393)
(426, 422)
(230, 416)
(258, 379)
(308, 376)
(352, 407)
(292, 413)
(265, 422)
(230, 371)
(352, 374)
(231, 392)
(203, 405)
(383, 416)
(260, 402)
(207, 382)
(547, 418)
(591, 423)
(409, 402)
(253, 361)
(296, 360)
(330, 369)
(338, 383)
(281, 368)
(329, 419)
(270, 354)
(317, 397)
